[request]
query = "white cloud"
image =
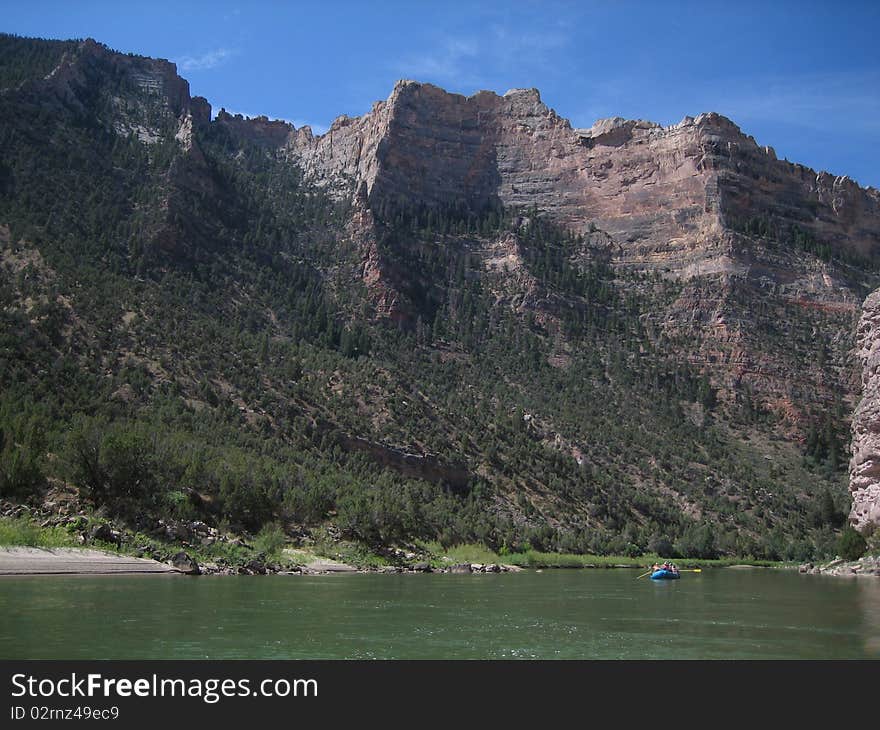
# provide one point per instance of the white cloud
(206, 61)
(826, 102)
(836, 102)
(452, 60)
(471, 61)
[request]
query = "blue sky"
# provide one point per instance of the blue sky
(803, 77)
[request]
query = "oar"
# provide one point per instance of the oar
(644, 574)
(690, 570)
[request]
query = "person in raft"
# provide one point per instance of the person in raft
(666, 566)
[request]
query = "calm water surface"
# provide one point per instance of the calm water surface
(553, 614)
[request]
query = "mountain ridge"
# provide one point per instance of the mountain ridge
(618, 337)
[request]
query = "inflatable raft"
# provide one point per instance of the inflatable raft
(664, 575)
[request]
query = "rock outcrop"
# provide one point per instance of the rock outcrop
(144, 97)
(257, 130)
(140, 98)
(419, 466)
(183, 563)
(864, 481)
(656, 190)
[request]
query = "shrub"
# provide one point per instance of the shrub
(180, 505)
(698, 541)
(245, 499)
(20, 452)
(24, 531)
(117, 465)
(660, 545)
(270, 540)
(851, 545)
(309, 501)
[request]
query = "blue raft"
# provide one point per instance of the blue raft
(664, 575)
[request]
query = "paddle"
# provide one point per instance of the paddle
(680, 570)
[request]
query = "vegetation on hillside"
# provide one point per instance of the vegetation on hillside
(209, 352)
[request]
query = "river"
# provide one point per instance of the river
(550, 614)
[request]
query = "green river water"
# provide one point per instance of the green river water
(551, 614)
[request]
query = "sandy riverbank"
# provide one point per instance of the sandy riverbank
(73, 561)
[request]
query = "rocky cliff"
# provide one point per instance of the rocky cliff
(138, 96)
(657, 190)
(865, 465)
(698, 203)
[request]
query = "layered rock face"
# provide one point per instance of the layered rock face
(864, 475)
(674, 199)
(698, 203)
(257, 130)
(656, 190)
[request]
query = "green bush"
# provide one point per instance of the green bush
(180, 505)
(245, 499)
(21, 448)
(698, 541)
(270, 540)
(309, 501)
(24, 531)
(117, 465)
(851, 545)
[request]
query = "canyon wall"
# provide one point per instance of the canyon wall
(865, 464)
